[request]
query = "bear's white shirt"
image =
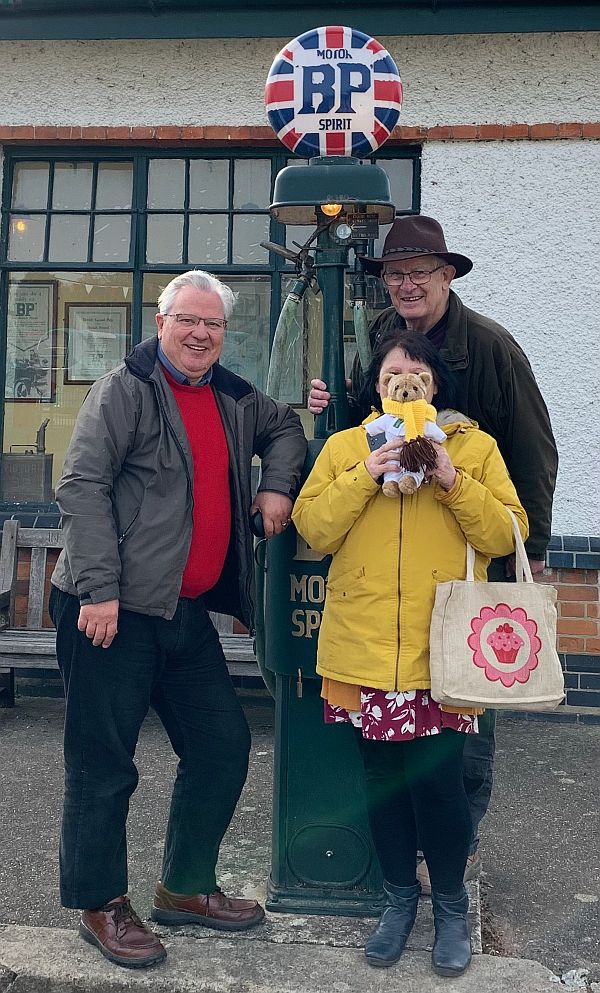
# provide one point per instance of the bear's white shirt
(394, 427)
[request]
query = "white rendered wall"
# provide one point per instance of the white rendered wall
(457, 79)
(528, 214)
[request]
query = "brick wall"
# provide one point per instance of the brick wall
(578, 602)
(578, 622)
(22, 591)
(574, 568)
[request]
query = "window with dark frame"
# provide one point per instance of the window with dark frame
(92, 233)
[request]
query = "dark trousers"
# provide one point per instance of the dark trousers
(478, 766)
(478, 758)
(179, 668)
(415, 791)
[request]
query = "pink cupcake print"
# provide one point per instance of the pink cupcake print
(506, 643)
(502, 637)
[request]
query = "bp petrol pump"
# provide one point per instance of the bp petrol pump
(333, 95)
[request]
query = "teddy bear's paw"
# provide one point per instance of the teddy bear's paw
(390, 488)
(407, 485)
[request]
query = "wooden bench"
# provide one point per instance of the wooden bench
(31, 645)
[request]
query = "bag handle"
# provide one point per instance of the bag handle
(522, 567)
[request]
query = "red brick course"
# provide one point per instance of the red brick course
(176, 135)
(569, 609)
(578, 603)
(577, 626)
(543, 131)
(571, 645)
(578, 609)
(591, 130)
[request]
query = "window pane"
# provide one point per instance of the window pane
(26, 238)
(207, 240)
(164, 238)
(298, 234)
(154, 284)
(246, 343)
(400, 175)
(114, 185)
(38, 368)
(72, 186)
(166, 183)
(252, 184)
(209, 183)
(30, 185)
(248, 231)
(112, 234)
(69, 238)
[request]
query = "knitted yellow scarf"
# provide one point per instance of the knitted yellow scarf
(414, 413)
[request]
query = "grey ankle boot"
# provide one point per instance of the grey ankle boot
(452, 949)
(386, 944)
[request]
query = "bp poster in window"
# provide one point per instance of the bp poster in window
(31, 342)
(96, 339)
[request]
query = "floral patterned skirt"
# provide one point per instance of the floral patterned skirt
(398, 716)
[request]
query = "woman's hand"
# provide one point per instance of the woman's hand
(444, 472)
(382, 459)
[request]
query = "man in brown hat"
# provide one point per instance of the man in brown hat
(495, 386)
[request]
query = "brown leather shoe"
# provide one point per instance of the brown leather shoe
(121, 936)
(215, 910)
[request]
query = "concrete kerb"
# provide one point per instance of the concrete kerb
(52, 960)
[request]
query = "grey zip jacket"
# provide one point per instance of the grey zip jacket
(126, 492)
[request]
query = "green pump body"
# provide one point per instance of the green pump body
(323, 860)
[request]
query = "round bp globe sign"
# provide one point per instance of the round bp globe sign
(333, 91)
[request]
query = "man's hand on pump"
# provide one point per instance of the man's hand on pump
(319, 397)
(275, 509)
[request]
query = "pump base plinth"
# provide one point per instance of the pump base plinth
(327, 903)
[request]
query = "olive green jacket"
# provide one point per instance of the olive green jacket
(495, 386)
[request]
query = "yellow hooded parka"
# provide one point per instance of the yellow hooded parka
(388, 554)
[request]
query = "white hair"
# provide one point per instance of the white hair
(202, 281)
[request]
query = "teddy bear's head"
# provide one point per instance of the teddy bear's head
(405, 387)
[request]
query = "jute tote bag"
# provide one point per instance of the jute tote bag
(494, 644)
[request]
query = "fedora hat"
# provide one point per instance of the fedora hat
(412, 236)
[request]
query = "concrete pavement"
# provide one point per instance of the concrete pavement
(52, 961)
(540, 889)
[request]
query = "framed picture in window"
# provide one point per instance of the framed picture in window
(96, 339)
(31, 342)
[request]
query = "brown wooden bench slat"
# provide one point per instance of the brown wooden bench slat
(236, 667)
(38, 537)
(21, 643)
(28, 662)
(37, 581)
(34, 647)
(8, 555)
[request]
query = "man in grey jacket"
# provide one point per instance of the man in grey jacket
(155, 499)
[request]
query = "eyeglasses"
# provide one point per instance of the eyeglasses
(189, 321)
(417, 276)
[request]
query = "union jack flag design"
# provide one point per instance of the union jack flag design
(333, 91)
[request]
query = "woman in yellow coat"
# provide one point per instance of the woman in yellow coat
(373, 649)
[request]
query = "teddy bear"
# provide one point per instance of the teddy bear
(406, 414)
